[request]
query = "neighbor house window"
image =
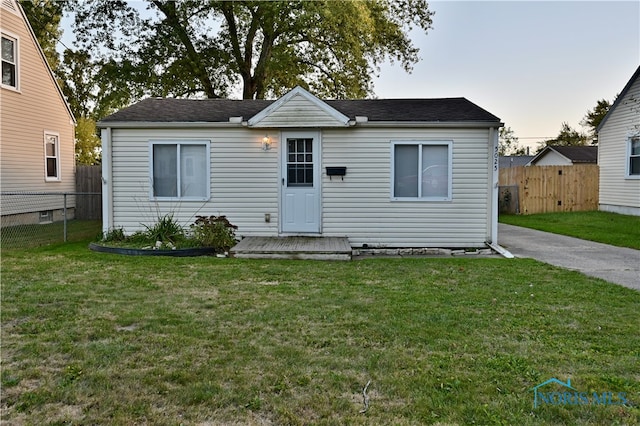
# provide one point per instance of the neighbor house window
(180, 170)
(51, 156)
(421, 170)
(9, 61)
(633, 164)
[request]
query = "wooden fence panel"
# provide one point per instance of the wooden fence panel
(543, 189)
(89, 180)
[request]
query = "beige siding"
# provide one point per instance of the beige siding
(617, 192)
(360, 207)
(244, 180)
(244, 186)
(299, 112)
(25, 115)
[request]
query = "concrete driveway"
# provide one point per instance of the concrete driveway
(615, 264)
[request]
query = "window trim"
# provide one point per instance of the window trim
(204, 142)
(627, 158)
(16, 63)
(58, 157)
(420, 143)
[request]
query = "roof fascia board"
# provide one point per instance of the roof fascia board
(334, 113)
(225, 124)
(438, 124)
(618, 100)
(165, 124)
(34, 39)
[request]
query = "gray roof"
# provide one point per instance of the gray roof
(514, 160)
(577, 154)
(220, 110)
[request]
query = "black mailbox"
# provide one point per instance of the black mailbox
(336, 171)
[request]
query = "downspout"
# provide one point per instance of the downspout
(107, 195)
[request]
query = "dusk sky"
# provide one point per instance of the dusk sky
(534, 64)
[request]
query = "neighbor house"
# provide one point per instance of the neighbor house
(619, 154)
(565, 156)
(37, 127)
(384, 173)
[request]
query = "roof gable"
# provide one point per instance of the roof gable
(299, 108)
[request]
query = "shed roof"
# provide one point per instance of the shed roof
(166, 110)
(576, 154)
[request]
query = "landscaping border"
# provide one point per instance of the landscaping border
(186, 252)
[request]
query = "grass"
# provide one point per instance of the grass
(24, 236)
(90, 338)
(603, 227)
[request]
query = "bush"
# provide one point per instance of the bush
(114, 235)
(165, 230)
(214, 231)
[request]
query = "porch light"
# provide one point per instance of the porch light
(266, 143)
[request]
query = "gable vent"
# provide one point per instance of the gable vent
(11, 5)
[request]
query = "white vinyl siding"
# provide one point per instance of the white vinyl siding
(421, 171)
(619, 192)
(360, 207)
(299, 112)
(243, 179)
(245, 185)
(179, 170)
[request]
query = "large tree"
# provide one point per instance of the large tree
(508, 143)
(44, 17)
(197, 48)
(567, 137)
(594, 117)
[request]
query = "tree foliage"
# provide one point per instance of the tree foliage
(44, 17)
(508, 143)
(195, 48)
(594, 117)
(567, 137)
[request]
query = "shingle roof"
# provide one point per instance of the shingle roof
(577, 154)
(220, 110)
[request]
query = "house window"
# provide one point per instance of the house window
(633, 163)
(9, 61)
(180, 170)
(51, 156)
(421, 170)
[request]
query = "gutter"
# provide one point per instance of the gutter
(354, 123)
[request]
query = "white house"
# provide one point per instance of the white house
(36, 127)
(619, 152)
(384, 173)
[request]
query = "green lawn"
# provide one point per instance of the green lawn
(92, 338)
(25, 236)
(609, 228)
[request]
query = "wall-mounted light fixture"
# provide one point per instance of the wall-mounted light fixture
(266, 143)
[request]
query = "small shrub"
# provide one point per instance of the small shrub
(214, 231)
(167, 229)
(114, 235)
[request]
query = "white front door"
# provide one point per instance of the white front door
(300, 180)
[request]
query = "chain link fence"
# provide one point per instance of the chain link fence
(31, 219)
